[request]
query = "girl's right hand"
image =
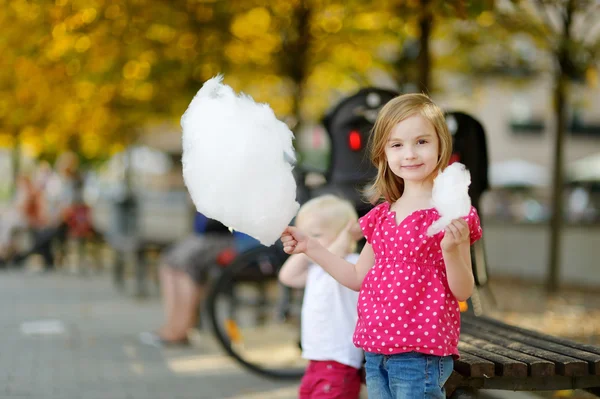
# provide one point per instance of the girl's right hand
(294, 241)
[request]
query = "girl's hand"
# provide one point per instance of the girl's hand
(342, 243)
(355, 231)
(294, 241)
(456, 233)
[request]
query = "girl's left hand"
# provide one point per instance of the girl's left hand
(456, 233)
(355, 231)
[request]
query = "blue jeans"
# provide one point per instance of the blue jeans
(409, 375)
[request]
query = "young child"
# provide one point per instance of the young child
(328, 309)
(410, 284)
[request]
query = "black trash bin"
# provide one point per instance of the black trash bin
(470, 148)
(124, 239)
(348, 126)
(125, 216)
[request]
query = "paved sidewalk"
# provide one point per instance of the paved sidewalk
(65, 336)
(69, 337)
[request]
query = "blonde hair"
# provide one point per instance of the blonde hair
(386, 184)
(335, 213)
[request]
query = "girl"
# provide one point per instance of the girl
(328, 309)
(410, 283)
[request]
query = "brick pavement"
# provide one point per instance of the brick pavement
(90, 349)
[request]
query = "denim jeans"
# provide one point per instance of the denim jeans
(409, 375)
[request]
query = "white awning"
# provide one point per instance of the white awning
(518, 173)
(585, 170)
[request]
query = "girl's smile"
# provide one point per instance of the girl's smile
(410, 167)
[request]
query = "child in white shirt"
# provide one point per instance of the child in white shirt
(329, 309)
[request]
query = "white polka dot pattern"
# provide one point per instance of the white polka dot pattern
(405, 304)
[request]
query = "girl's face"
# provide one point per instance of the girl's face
(313, 226)
(412, 150)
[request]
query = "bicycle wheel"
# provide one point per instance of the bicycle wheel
(254, 318)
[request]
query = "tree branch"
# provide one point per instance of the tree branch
(543, 10)
(520, 20)
(590, 21)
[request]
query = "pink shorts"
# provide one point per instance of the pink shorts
(329, 380)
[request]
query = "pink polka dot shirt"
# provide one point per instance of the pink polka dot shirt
(405, 303)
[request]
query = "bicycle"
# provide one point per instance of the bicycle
(256, 319)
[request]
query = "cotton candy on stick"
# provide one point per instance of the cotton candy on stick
(450, 196)
(237, 162)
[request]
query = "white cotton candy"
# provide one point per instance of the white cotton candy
(237, 162)
(450, 196)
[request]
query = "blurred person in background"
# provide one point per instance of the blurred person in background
(184, 271)
(27, 212)
(62, 187)
(59, 188)
(43, 200)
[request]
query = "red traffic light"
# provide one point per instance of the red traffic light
(354, 140)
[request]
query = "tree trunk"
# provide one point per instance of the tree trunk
(556, 221)
(424, 57)
(560, 103)
(296, 54)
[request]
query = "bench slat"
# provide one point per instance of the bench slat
(555, 383)
(504, 366)
(536, 334)
(472, 366)
(537, 367)
(565, 365)
(508, 332)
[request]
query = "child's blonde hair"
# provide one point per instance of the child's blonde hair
(386, 184)
(335, 213)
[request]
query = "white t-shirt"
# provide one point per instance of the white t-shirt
(329, 318)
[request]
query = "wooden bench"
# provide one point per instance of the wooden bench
(495, 355)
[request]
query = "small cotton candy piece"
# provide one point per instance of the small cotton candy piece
(450, 196)
(237, 162)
